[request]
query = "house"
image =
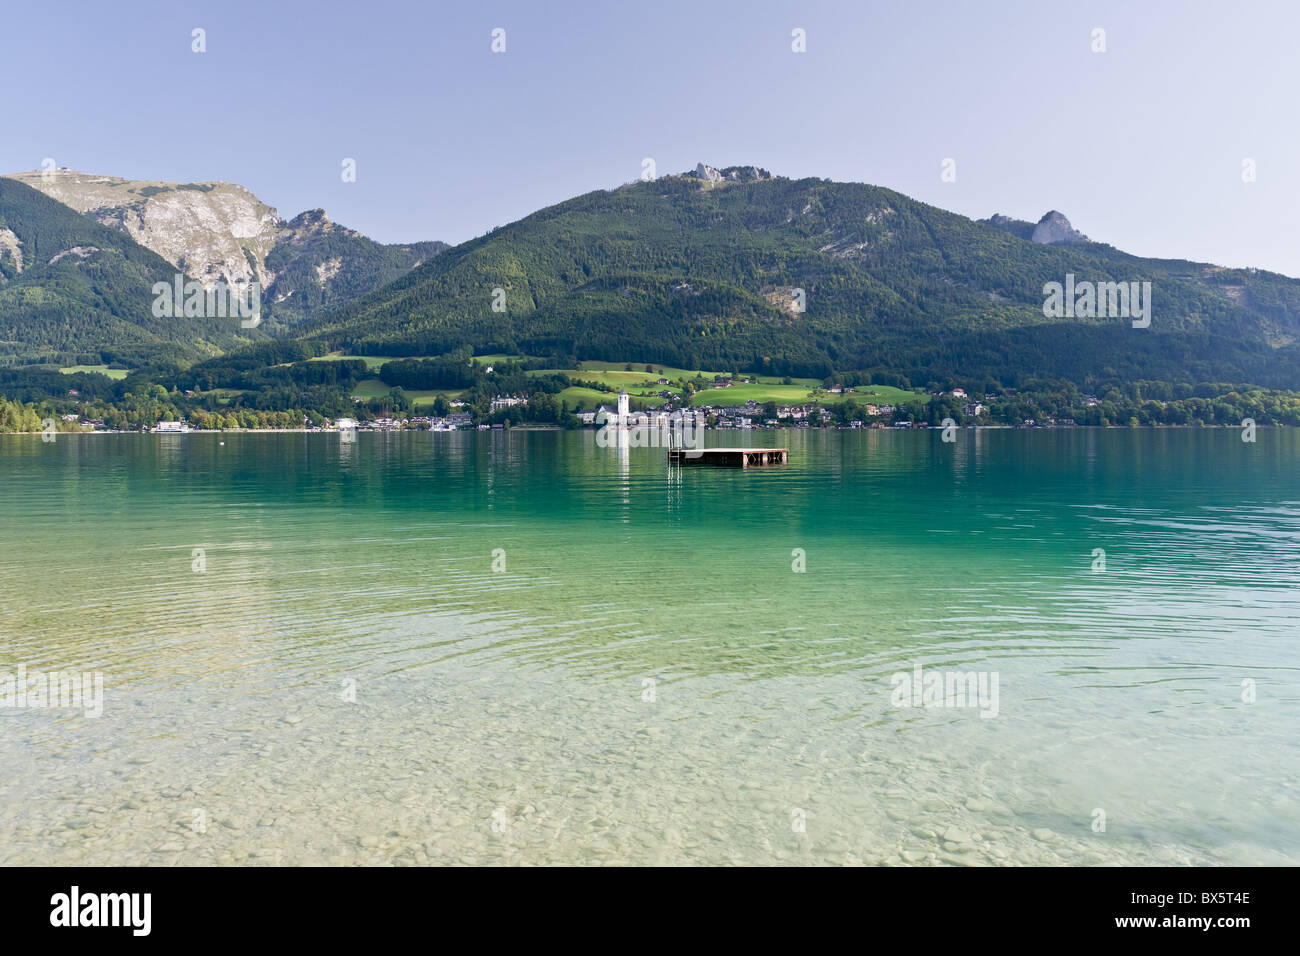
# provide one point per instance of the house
(643, 420)
(836, 389)
(587, 418)
(460, 419)
(973, 408)
(505, 401)
(661, 381)
(959, 393)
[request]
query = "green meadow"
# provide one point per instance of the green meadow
(641, 386)
(376, 388)
(797, 394)
(113, 373)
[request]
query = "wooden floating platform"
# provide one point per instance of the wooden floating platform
(728, 457)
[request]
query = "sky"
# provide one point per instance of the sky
(1141, 145)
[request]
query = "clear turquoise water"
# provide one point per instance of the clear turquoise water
(504, 715)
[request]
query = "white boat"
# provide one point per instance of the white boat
(171, 428)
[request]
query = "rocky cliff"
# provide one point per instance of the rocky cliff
(219, 231)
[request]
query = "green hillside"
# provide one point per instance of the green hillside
(672, 272)
(75, 292)
(319, 264)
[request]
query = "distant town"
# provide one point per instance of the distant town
(750, 414)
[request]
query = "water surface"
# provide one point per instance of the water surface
(562, 653)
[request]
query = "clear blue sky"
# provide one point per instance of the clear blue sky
(1140, 146)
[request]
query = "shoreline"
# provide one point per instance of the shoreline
(556, 428)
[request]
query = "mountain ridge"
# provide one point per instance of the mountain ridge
(217, 231)
(733, 267)
(691, 271)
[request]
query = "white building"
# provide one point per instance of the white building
(346, 424)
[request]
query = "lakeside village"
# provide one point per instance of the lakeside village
(456, 392)
(645, 425)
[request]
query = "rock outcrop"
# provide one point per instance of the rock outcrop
(209, 231)
(735, 174)
(708, 173)
(11, 248)
(1054, 229)
(222, 232)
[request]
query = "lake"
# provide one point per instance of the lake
(1022, 647)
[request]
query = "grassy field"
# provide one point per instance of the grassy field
(372, 361)
(797, 394)
(375, 388)
(502, 357)
(587, 398)
(616, 374)
(113, 373)
(642, 385)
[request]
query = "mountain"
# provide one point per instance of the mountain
(707, 270)
(71, 287)
(316, 264)
(718, 267)
(1052, 229)
(220, 231)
